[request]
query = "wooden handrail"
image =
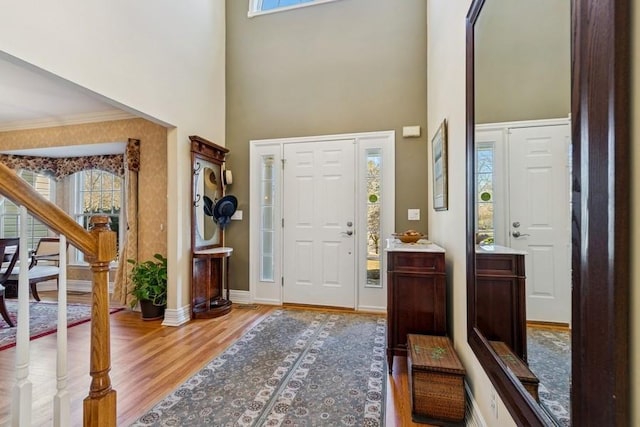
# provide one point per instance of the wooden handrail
(21, 193)
(99, 247)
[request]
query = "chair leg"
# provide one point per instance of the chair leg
(3, 310)
(34, 291)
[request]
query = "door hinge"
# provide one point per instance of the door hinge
(282, 281)
(282, 222)
(283, 161)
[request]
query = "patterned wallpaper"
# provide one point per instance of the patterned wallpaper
(152, 178)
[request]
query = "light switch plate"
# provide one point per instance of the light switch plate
(237, 215)
(411, 131)
(413, 214)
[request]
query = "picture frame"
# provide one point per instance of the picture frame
(439, 167)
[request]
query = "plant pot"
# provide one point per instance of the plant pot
(150, 311)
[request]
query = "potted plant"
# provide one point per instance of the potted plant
(149, 286)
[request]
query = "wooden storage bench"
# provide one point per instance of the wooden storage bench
(518, 367)
(436, 381)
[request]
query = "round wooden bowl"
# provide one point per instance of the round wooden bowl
(408, 238)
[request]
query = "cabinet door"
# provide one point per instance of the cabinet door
(419, 306)
(500, 313)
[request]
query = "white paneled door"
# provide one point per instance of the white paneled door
(319, 223)
(539, 217)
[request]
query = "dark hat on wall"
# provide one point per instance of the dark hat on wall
(224, 209)
(208, 206)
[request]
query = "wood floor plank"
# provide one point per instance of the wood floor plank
(149, 361)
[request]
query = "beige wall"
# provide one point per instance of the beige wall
(516, 42)
(152, 177)
(446, 98)
(347, 66)
(635, 221)
(163, 60)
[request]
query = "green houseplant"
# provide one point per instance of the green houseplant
(149, 286)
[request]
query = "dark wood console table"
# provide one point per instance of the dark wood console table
(416, 294)
(210, 283)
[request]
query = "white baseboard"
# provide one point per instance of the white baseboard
(473, 416)
(177, 316)
(72, 285)
(239, 297)
(372, 309)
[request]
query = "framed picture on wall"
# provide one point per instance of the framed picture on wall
(439, 167)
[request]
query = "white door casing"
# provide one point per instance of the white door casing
(269, 288)
(319, 217)
(539, 200)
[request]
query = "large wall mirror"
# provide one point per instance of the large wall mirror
(546, 283)
(207, 188)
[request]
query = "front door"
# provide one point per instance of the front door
(539, 215)
(319, 223)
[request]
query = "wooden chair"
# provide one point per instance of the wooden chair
(9, 259)
(44, 265)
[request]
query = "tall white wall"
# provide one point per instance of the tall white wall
(446, 100)
(162, 58)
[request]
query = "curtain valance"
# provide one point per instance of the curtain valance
(60, 167)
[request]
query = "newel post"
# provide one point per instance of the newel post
(100, 405)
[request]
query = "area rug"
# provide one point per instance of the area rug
(43, 319)
(294, 368)
(549, 357)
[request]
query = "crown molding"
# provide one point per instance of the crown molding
(78, 119)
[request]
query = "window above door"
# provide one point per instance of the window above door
(263, 7)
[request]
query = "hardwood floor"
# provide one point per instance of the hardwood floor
(148, 361)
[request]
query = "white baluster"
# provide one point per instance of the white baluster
(61, 401)
(21, 404)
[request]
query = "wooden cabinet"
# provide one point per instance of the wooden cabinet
(416, 296)
(210, 283)
(500, 299)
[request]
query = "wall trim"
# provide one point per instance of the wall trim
(473, 416)
(177, 316)
(523, 124)
(78, 119)
(239, 297)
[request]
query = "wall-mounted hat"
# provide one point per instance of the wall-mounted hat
(208, 206)
(224, 209)
(227, 177)
(210, 179)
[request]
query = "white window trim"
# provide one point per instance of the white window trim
(256, 5)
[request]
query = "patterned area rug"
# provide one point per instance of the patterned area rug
(43, 319)
(549, 356)
(294, 368)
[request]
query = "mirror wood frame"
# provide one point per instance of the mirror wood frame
(601, 146)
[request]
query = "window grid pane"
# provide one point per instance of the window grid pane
(485, 159)
(10, 213)
(267, 194)
(99, 193)
(373, 260)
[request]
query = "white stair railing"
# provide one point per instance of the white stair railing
(61, 401)
(21, 403)
(22, 395)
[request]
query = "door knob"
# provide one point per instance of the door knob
(517, 234)
(348, 233)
